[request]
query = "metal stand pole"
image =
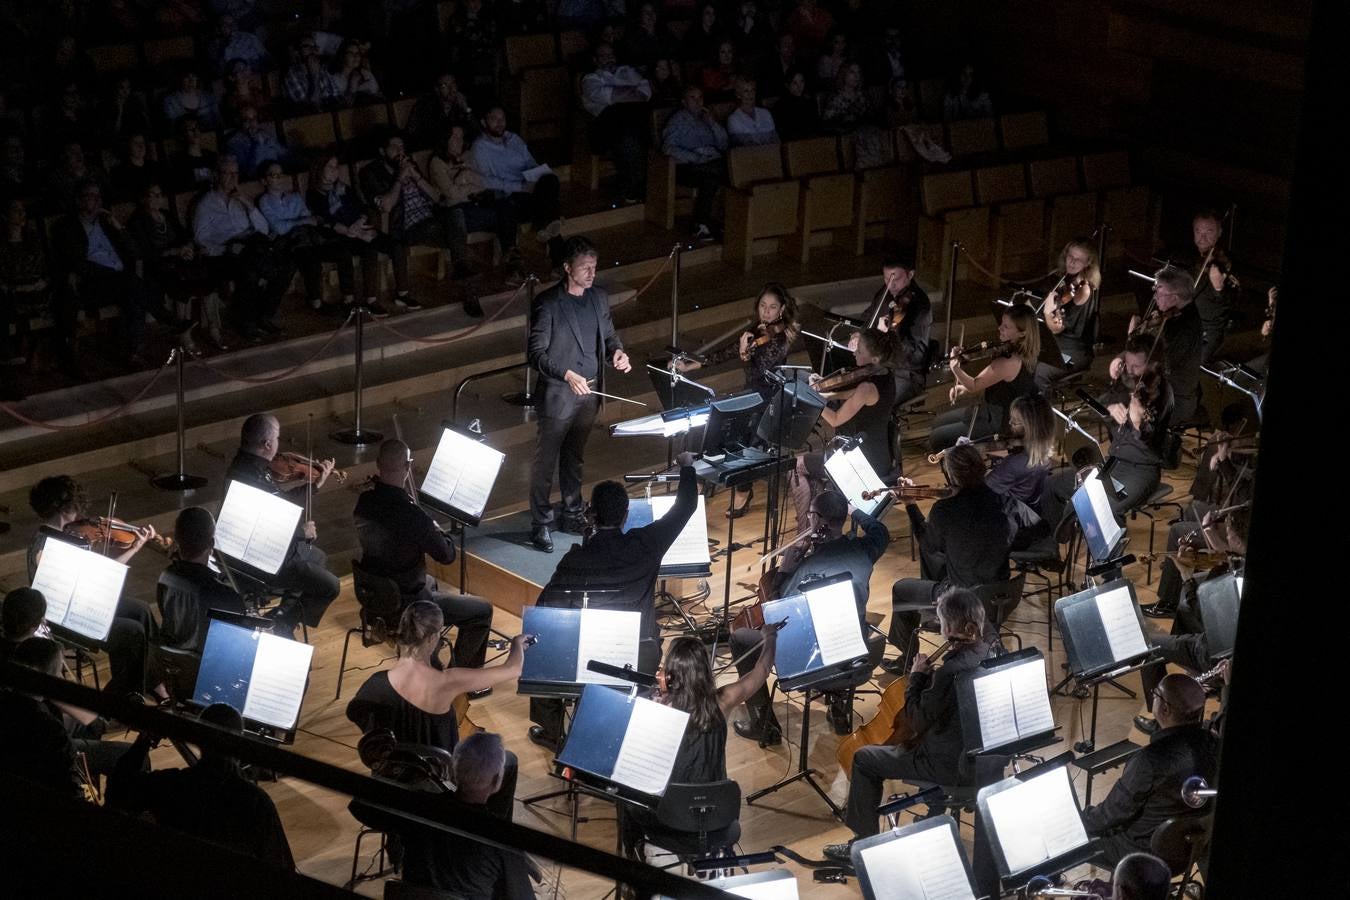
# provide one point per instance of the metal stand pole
(675, 297)
(356, 435)
(526, 397)
(179, 480)
(950, 300)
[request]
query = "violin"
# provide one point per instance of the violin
(890, 725)
(1221, 261)
(1156, 319)
(291, 469)
(104, 534)
(764, 334)
(990, 444)
(982, 350)
(1067, 293)
(848, 378)
(912, 493)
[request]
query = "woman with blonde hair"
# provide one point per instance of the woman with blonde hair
(1009, 375)
(1068, 308)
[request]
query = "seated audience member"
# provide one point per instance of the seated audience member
(212, 800)
(188, 588)
(98, 263)
(394, 185)
(415, 699)
(776, 70)
(749, 124)
(810, 24)
(932, 709)
(465, 203)
(194, 165)
(645, 40)
(902, 107)
(334, 204)
(796, 114)
(752, 30)
(717, 79)
(25, 286)
(966, 97)
(297, 233)
(434, 114)
(243, 88)
(847, 107)
(697, 143)
(233, 42)
(667, 86)
(191, 100)
(251, 145)
(351, 72)
(834, 59)
(616, 97)
(73, 168)
(309, 85)
(135, 173)
(46, 755)
(170, 268)
(1149, 790)
(122, 114)
(1141, 876)
(700, 41)
(501, 158)
(67, 120)
(474, 44)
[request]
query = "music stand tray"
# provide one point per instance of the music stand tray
(1011, 876)
(1014, 702)
(554, 667)
(896, 864)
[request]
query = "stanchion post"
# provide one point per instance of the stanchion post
(526, 397)
(950, 300)
(179, 480)
(675, 296)
(357, 435)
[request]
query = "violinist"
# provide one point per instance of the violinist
(964, 542)
(1181, 344)
(1021, 473)
(397, 536)
(188, 588)
(902, 310)
(831, 553)
(865, 409)
(1066, 309)
(1004, 379)
(59, 502)
(1215, 287)
(764, 346)
(932, 710)
(305, 570)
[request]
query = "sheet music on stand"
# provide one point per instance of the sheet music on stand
(822, 638)
(1103, 630)
(461, 475)
(1220, 600)
(1101, 530)
(82, 589)
(671, 423)
(773, 884)
(1034, 823)
(255, 529)
(921, 861)
(1005, 705)
(852, 474)
(688, 557)
(258, 673)
(624, 739)
(569, 638)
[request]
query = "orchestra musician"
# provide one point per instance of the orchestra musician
(621, 566)
(963, 543)
(1067, 311)
(1215, 287)
(188, 589)
(1181, 344)
(1008, 376)
(397, 536)
(304, 574)
(1022, 471)
(59, 502)
(685, 682)
(571, 338)
(832, 552)
(902, 310)
(932, 712)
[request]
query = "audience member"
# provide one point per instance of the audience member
(251, 145)
(809, 24)
(645, 41)
(190, 99)
(617, 98)
(122, 114)
(136, 172)
(703, 37)
(474, 45)
(503, 160)
(25, 286)
(667, 86)
(243, 88)
(335, 206)
(966, 97)
(434, 114)
(73, 168)
(232, 42)
(776, 71)
(717, 79)
(464, 197)
(352, 75)
(168, 262)
(751, 31)
(749, 124)
(296, 232)
(902, 107)
(796, 113)
(830, 62)
(698, 144)
(194, 165)
(309, 85)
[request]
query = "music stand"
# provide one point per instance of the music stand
(1101, 530)
(1103, 639)
(852, 474)
(1220, 600)
(920, 860)
(1035, 825)
(673, 389)
(459, 482)
(1005, 707)
(688, 557)
(788, 421)
(258, 673)
(82, 589)
(556, 665)
(821, 642)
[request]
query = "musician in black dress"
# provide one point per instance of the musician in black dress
(571, 338)
(903, 311)
(1003, 380)
(1068, 310)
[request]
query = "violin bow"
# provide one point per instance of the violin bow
(107, 523)
(309, 454)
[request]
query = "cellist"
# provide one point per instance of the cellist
(931, 714)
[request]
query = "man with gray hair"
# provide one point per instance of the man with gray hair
(1182, 341)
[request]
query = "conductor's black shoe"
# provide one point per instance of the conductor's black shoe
(573, 523)
(1158, 611)
(1146, 724)
(541, 737)
(838, 852)
(767, 736)
(540, 539)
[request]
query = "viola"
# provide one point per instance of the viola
(764, 334)
(1156, 319)
(848, 378)
(290, 469)
(911, 493)
(102, 533)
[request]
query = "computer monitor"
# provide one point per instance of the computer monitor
(731, 423)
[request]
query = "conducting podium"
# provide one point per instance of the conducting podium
(921, 861)
(258, 673)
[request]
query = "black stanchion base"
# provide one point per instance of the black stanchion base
(358, 437)
(520, 398)
(177, 481)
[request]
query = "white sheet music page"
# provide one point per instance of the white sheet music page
(853, 474)
(610, 636)
(1031, 698)
(462, 472)
(1123, 631)
(57, 574)
(691, 546)
(1037, 820)
(273, 532)
(994, 702)
(445, 469)
(277, 683)
(234, 525)
(834, 614)
(1061, 821)
(1101, 508)
(924, 865)
(94, 603)
(650, 746)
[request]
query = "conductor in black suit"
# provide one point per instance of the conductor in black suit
(570, 334)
